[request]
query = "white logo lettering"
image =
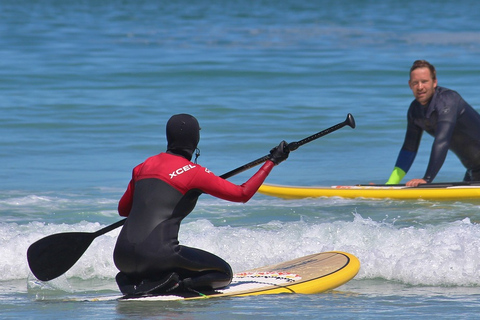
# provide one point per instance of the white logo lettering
(181, 170)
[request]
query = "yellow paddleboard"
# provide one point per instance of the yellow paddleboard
(427, 192)
(306, 275)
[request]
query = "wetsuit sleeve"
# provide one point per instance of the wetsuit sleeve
(404, 162)
(223, 189)
(125, 203)
(408, 152)
(447, 109)
(396, 176)
(439, 149)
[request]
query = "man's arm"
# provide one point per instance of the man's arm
(404, 162)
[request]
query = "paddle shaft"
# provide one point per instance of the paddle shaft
(349, 121)
(54, 255)
(109, 228)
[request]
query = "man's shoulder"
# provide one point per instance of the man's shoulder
(446, 92)
(446, 98)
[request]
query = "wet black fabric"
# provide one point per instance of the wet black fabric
(183, 135)
(453, 123)
(148, 247)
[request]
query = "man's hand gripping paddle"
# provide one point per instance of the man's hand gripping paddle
(52, 256)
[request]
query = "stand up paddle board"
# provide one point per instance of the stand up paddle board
(432, 191)
(307, 275)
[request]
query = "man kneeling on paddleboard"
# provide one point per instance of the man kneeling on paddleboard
(162, 192)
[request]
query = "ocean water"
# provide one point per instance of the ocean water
(86, 88)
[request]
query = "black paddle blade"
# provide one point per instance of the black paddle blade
(52, 256)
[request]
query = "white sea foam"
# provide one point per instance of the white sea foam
(446, 254)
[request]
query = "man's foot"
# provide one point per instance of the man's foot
(164, 285)
(126, 284)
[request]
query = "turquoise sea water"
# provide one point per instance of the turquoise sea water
(87, 86)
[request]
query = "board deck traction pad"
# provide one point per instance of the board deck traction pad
(279, 278)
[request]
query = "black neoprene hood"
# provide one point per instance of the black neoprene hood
(183, 135)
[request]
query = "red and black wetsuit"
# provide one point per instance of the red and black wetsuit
(453, 123)
(162, 192)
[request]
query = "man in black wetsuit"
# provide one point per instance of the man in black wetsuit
(443, 114)
(163, 190)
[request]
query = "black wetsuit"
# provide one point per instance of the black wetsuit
(163, 191)
(455, 126)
